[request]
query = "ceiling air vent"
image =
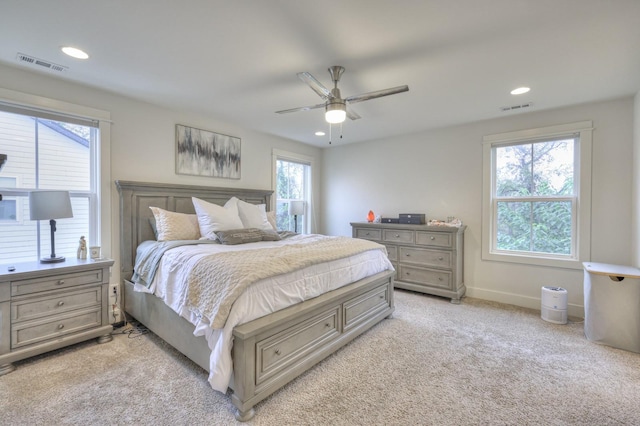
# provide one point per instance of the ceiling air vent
(516, 107)
(40, 62)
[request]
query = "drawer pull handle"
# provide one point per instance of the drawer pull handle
(382, 296)
(408, 254)
(406, 273)
(60, 282)
(327, 325)
(277, 351)
(439, 278)
(397, 235)
(367, 234)
(432, 238)
(61, 303)
(60, 326)
(440, 258)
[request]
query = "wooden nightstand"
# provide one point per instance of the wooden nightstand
(48, 306)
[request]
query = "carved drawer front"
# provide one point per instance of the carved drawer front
(369, 234)
(392, 252)
(30, 332)
(429, 277)
(279, 351)
(437, 239)
(37, 307)
(364, 306)
(441, 259)
(35, 285)
(398, 236)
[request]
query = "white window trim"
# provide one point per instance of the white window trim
(103, 157)
(277, 154)
(583, 169)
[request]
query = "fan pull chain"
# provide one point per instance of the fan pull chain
(329, 133)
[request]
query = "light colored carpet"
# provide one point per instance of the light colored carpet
(434, 363)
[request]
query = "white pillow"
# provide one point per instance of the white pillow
(212, 217)
(271, 217)
(253, 216)
(175, 226)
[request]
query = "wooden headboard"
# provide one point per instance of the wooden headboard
(137, 197)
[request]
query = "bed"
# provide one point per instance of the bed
(268, 351)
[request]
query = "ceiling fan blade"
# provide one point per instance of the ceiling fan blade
(376, 94)
(304, 108)
(315, 85)
(352, 114)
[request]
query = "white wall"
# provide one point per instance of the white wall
(143, 141)
(635, 197)
(439, 173)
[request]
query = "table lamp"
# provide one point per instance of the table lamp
(50, 205)
(296, 208)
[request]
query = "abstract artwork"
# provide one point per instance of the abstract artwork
(203, 153)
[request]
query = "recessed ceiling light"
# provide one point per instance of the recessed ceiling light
(520, 90)
(74, 52)
(320, 133)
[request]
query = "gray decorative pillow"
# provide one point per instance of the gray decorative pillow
(270, 235)
(239, 236)
(246, 235)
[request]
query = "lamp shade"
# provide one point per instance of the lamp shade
(46, 205)
(296, 208)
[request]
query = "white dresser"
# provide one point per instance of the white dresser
(428, 259)
(48, 306)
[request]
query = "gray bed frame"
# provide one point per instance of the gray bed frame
(267, 352)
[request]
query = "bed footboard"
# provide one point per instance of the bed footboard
(273, 350)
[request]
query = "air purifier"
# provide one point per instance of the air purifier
(554, 305)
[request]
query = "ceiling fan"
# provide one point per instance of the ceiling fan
(336, 107)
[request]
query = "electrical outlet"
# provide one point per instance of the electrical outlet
(115, 315)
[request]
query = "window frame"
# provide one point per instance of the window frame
(581, 222)
(100, 197)
(304, 160)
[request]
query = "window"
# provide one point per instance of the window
(536, 204)
(47, 150)
(292, 183)
(8, 210)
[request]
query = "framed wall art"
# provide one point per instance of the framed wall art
(204, 153)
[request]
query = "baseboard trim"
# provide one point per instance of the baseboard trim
(574, 311)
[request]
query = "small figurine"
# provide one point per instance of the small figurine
(82, 248)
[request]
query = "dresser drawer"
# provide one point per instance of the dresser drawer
(368, 234)
(364, 306)
(37, 307)
(438, 258)
(436, 239)
(392, 252)
(398, 236)
(430, 277)
(30, 332)
(35, 285)
(283, 349)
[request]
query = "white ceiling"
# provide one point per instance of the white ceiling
(237, 60)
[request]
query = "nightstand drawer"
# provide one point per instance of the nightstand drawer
(38, 307)
(440, 259)
(428, 277)
(398, 236)
(437, 239)
(368, 234)
(30, 332)
(56, 282)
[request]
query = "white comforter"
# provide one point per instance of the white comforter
(259, 299)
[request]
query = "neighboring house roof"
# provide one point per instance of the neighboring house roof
(65, 132)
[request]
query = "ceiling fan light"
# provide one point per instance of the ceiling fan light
(336, 113)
